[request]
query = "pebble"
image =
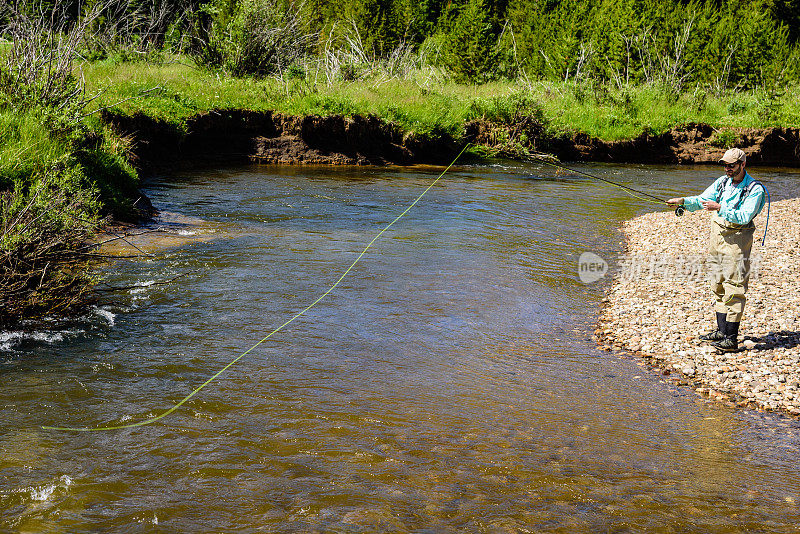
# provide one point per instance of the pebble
(765, 373)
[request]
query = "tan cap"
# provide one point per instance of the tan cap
(733, 155)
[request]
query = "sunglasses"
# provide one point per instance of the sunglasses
(732, 165)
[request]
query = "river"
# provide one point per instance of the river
(450, 383)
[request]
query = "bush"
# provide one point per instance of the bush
(723, 138)
(57, 179)
(516, 124)
(257, 38)
(43, 263)
(37, 68)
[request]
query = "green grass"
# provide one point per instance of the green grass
(27, 147)
(183, 90)
(41, 145)
(613, 114)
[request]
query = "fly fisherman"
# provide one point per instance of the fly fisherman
(735, 198)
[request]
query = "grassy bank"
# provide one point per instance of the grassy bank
(59, 180)
(427, 102)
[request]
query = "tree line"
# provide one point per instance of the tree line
(721, 43)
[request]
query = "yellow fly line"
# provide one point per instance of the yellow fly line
(278, 329)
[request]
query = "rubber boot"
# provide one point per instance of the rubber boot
(730, 343)
(719, 333)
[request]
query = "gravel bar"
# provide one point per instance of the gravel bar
(660, 302)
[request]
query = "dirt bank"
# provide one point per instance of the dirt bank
(269, 137)
(693, 143)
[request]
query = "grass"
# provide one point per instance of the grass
(613, 114)
(179, 90)
(183, 91)
(27, 147)
(58, 179)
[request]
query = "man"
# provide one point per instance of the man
(735, 198)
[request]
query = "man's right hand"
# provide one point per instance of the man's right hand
(675, 201)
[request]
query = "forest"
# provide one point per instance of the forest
(719, 43)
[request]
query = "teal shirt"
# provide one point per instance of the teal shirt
(747, 210)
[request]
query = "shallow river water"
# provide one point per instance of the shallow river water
(448, 384)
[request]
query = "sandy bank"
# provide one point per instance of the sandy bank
(659, 302)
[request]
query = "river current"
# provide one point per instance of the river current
(450, 383)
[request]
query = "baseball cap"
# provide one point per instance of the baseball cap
(733, 155)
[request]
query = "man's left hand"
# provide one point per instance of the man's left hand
(710, 205)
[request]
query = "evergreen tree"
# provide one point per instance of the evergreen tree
(379, 25)
(763, 46)
(788, 13)
(551, 35)
(469, 50)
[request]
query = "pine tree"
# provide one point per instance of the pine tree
(379, 25)
(469, 50)
(788, 13)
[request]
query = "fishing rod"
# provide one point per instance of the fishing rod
(680, 210)
(646, 197)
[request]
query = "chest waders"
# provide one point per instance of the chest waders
(729, 270)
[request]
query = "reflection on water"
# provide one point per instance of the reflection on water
(448, 384)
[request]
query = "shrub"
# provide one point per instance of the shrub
(723, 138)
(259, 38)
(37, 68)
(43, 231)
(56, 180)
(516, 122)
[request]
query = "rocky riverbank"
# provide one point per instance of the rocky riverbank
(659, 302)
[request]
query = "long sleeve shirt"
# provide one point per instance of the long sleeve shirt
(731, 209)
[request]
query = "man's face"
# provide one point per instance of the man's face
(733, 169)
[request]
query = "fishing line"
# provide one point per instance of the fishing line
(680, 210)
(278, 329)
(631, 191)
